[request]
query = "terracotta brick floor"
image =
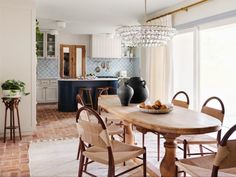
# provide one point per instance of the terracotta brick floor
(51, 125)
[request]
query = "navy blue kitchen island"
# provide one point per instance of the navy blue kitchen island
(68, 89)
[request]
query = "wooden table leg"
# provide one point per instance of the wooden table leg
(129, 136)
(167, 166)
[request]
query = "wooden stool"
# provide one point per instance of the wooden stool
(100, 91)
(89, 99)
(11, 103)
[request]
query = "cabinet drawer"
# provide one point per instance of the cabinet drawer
(45, 82)
(53, 82)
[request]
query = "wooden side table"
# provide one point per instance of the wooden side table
(12, 104)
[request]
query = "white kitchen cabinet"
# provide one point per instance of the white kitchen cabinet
(46, 45)
(104, 46)
(51, 94)
(47, 91)
(40, 94)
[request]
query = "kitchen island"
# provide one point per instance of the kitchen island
(68, 89)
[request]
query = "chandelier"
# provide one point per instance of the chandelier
(145, 35)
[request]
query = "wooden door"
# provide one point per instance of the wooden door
(72, 59)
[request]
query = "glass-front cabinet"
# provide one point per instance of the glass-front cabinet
(46, 45)
(50, 46)
(40, 44)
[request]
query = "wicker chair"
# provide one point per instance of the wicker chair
(203, 139)
(110, 119)
(113, 129)
(176, 102)
(104, 150)
(223, 164)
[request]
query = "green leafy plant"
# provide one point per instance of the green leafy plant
(39, 37)
(14, 85)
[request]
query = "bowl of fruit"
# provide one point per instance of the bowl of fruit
(156, 108)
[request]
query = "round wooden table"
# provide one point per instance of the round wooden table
(180, 121)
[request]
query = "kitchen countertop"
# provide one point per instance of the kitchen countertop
(97, 79)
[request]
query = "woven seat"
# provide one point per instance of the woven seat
(223, 164)
(102, 149)
(197, 139)
(203, 139)
(121, 152)
(180, 103)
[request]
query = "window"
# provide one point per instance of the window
(218, 67)
(183, 60)
(204, 65)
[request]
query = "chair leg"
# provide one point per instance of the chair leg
(188, 148)
(158, 147)
(111, 171)
(124, 141)
(201, 149)
(144, 163)
(78, 152)
(81, 164)
(143, 139)
(86, 164)
(185, 149)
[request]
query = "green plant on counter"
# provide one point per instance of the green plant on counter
(14, 86)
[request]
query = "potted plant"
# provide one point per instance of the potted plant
(13, 88)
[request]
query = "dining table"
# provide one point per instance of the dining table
(180, 121)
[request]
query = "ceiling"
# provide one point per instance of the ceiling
(95, 16)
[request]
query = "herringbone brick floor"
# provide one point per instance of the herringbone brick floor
(51, 124)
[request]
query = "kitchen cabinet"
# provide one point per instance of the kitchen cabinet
(46, 45)
(68, 88)
(47, 91)
(104, 46)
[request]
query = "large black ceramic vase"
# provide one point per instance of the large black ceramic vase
(141, 92)
(125, 93)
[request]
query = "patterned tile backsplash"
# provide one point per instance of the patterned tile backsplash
(49, 68)
(113, 66)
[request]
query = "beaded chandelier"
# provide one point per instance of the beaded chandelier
(145, 35)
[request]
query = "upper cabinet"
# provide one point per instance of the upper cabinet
(46, 45)
(104, 46)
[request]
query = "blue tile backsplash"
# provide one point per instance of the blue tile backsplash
(114, 66)
(49, 68)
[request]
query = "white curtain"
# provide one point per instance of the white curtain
(156, 67)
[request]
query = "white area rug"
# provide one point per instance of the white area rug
(58, 158)
(53, 158)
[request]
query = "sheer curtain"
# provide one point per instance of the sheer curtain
(156, 67)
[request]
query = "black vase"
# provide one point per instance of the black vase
(125, 93)
(141, 92)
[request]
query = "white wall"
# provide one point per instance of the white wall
(17, 55)
(205, 10)
(73, 40)
(201, 12)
